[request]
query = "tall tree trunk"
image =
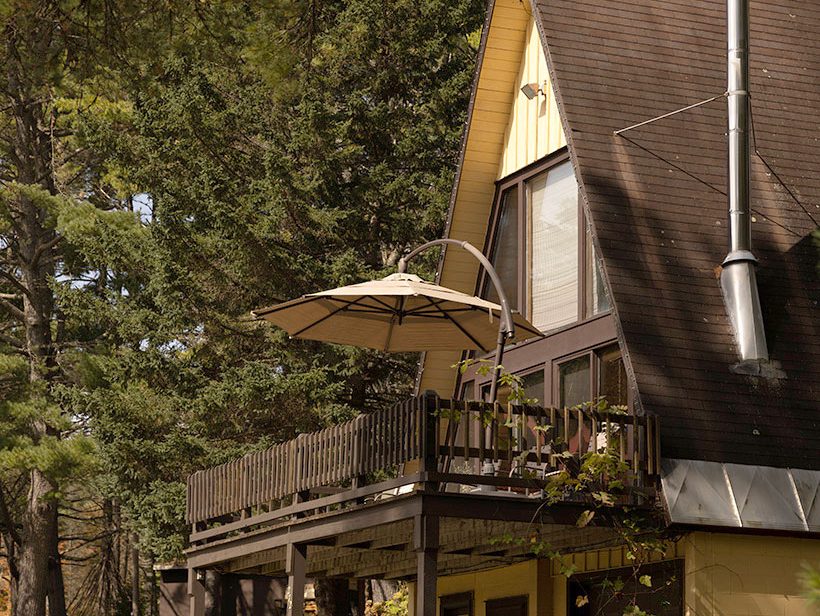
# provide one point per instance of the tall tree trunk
(213, 593)
(56, 588)
(35, 548)
(135, 576)
(34, 260)
(154, 610)
(109, 554)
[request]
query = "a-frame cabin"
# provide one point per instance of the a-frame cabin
(611, 241)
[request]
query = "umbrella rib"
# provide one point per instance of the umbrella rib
(325, 318)
(459, 326)
(385, 304)
(431, 304)
(350, 303)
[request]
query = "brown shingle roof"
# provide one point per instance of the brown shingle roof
(659, 214)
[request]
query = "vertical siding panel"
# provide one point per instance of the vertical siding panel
(534, 126)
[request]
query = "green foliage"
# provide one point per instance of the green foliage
(810, 580)
(197, 161)
(513, 383)
(397, 605)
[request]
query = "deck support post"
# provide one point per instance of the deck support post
(296, 565)
(192, 582)
(430, 436)
(426, 544)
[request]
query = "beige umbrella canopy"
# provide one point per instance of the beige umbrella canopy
(399, 313)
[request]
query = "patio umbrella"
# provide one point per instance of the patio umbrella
(399, 313)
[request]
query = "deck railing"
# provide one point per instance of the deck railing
(446, 441)
(330, 457)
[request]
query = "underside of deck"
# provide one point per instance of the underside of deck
(382, 539)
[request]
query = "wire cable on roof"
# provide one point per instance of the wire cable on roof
(620, 133)
(704, 182)
(771, 169)
(671, 113)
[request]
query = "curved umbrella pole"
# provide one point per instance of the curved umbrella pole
(506, 326)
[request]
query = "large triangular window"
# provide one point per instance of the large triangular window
(540, 245)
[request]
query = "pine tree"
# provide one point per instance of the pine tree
(166, 168)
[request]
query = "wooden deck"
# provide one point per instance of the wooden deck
(427, 487)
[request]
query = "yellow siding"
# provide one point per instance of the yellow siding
(515, 580)
(506, 132)
(741, 575)
(725, 575)
(534, 127)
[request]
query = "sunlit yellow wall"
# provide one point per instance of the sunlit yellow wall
(742, 575)
(515, 580)
(506, 132)
(542, 581)
(534, 128)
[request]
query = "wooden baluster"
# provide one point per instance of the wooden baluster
(373, 444)
(594, 433)
(553, 435)
(315, 475)
(482, 433)
(327, 454)
(465, 429)
(580, 419)
(278, 459)
(494, 431)
(340, 459)
(657, 432)
(641, 461)
(508, 419)
(393, 446)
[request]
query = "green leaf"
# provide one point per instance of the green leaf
(646, 580)
(585, 518)
(581, 600)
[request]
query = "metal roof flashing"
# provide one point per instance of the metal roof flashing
(702, 493)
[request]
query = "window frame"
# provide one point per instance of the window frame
(519, 602)
(455, 601)
(541, 368)
(585, 248)
(594, 354)
(657, 570)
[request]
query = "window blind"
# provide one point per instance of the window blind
(553, 263)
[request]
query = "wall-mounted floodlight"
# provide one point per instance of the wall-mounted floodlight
(531, 90)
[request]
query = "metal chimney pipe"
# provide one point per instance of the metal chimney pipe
(737, 279)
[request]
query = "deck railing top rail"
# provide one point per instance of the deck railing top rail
(472, 443)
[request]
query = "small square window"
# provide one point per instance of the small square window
(596, 374)
(574, 382)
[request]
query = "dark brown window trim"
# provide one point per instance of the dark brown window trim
(583, 335)
(520, 178)
(557, 346)
(518, 601)
(456, 601)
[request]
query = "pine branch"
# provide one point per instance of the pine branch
(12, 342)
(43, 248)
(15, 283)
(13, 310)
(6, 517)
